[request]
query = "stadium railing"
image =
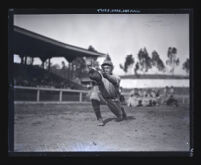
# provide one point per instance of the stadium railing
(24, 94)
(49, 95)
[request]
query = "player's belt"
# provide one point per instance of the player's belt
(113, 99)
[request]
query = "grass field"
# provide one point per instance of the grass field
(63, 127)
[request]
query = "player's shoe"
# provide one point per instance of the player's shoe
(100, 122)
(119, 118)
(124, 115)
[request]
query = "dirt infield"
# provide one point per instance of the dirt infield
(73, 128)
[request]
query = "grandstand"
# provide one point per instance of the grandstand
(35, 76)
(26, 43)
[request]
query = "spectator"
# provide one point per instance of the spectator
(134, 98)
(172, 91)
(130, 101)
(171, 97)
(140, 97)
(145, 98)
(164, 97)
(152, 96)
(157, 97)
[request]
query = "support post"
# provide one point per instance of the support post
(25, 60)
(32, 60)
(60, 96)
(22, 59)
(49, 63)
(80, 97)
(43, 59)
(38, 95)
(43, 66)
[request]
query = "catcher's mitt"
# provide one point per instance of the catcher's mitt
(95, 75)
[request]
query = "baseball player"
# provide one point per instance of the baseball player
(108, 85)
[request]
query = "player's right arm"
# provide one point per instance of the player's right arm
(113, 79)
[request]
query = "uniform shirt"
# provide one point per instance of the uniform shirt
(108, 89)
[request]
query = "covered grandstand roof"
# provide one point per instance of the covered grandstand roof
(27, 43)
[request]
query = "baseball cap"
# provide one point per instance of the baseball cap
(107, 62)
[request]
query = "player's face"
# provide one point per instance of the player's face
(107, 69)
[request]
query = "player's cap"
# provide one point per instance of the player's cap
(107, 62)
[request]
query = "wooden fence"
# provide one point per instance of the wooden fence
(54, 95)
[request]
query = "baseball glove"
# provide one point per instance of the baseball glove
(95, 75)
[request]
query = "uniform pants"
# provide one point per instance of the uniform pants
(96, 108)
(116, 108)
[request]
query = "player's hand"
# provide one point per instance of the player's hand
(94, 75)
(105, 75)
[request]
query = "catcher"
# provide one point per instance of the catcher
(108, 85)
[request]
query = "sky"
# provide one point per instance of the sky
(118, 35)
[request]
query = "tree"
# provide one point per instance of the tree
(136, 68)
(145, 62)
(121, 67)
(108, 57)
(91, 48)
(157, 62)
(186, 65)
(128, 62)
(172, 60)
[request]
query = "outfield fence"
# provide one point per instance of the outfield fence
(49, 95)
(54, 95)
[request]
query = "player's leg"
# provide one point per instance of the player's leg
(115, 107)
(122, 108)
(124, 113)
(96, 108)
